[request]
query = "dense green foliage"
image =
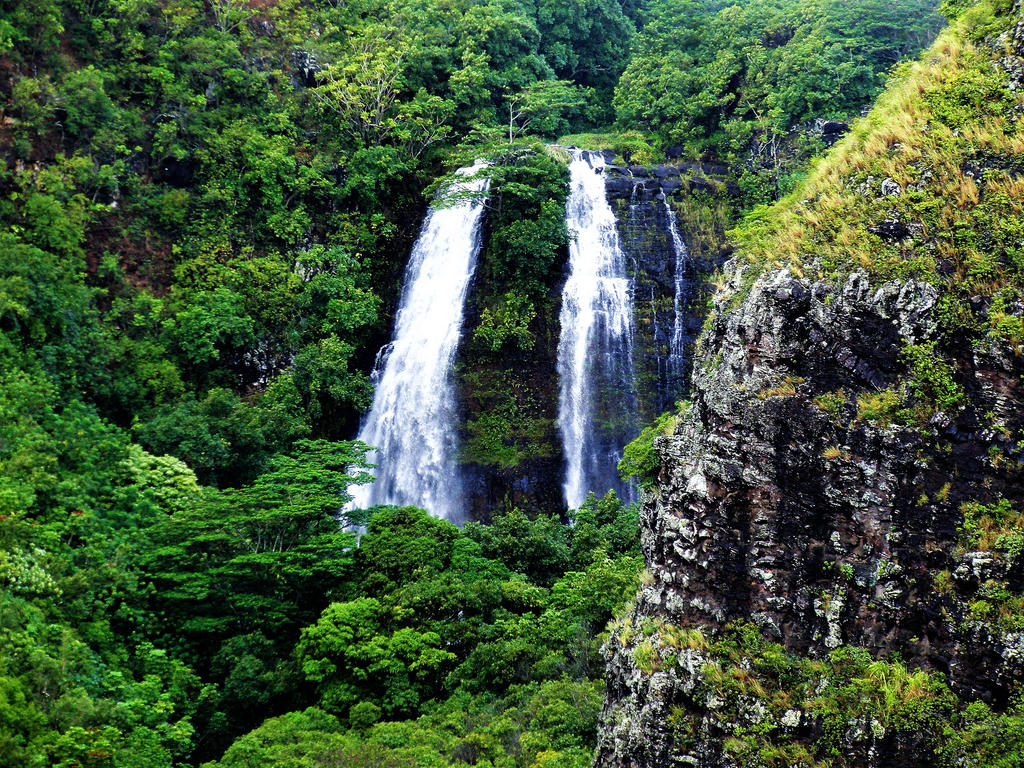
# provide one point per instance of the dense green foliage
(715, 75)
(231, 188)
(205, 209)
(739, 81)
(225, 580)
(506, 366)
(639, 458)
(484, 639)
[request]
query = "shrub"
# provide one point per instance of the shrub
(639, 459)
(880, 408)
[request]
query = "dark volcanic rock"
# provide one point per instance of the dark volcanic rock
(820, 527)
(832, 131)
(640, 183)
(641, 203)
(819, 502)
(892, 230)
(177, 173)
(646, 241)
(619, 186)
(834, 126)
(305, 69)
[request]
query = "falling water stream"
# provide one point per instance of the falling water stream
(677, 351)
(412, 422)
(597, 409)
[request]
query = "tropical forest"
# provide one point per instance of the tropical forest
(511, 383)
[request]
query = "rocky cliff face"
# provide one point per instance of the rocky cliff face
(779, 505)
(834, 539)
(664, 283)
(640, 197)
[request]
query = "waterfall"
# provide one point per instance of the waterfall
(677, 351)
(597, 405)
(411, 422)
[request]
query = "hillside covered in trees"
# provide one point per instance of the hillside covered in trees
(206, 209)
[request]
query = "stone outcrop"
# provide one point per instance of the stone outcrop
(640, 197)
(656, 181)
(778, 504)
(845, 488)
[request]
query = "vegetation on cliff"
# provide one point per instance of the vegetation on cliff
(773, 708)
(834, 538)
(928, 188)
(205, 210)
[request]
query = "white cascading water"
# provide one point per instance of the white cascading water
(597, 388)
(677, 350)
(411, 422)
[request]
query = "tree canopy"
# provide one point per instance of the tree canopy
(205, 212)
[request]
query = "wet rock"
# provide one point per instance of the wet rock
(760, 487)
(619, 186)
(305, 69)
(642, 215)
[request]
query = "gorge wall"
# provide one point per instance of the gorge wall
(509, 396)
(834, 534)
(642, 198)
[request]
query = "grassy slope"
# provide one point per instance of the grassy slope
(948, 132)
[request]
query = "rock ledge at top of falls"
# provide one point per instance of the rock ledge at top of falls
(646, 182)
(819, 527)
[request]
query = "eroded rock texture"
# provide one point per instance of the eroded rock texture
(778, 504)
(642, 199)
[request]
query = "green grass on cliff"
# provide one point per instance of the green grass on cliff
(928, 186)
(774, 709)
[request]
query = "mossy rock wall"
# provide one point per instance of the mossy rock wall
(511, 447)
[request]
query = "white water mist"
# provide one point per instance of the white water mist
(597, 389)
(412, 420)
(677, 350)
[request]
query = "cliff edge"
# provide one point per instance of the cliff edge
(835, 536)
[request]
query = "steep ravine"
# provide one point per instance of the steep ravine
(795, 518)
(519, 387)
